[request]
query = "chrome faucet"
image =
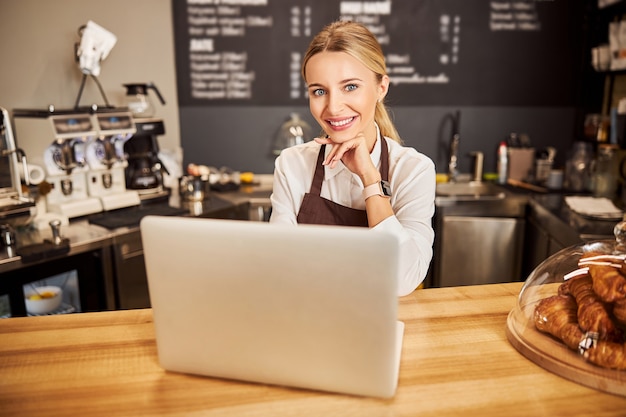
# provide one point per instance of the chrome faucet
(453, 167)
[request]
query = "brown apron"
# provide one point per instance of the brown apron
(318, 210)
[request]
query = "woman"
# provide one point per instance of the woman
(358, 173)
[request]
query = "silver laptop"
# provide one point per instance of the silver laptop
(312, 307)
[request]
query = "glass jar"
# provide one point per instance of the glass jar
(578, 167)
(603, 177)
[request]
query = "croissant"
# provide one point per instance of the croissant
(592, 312)
(608, 283)
(588, 314)
(557, 315)
(619, 310)
(606, 354)
(564, 288)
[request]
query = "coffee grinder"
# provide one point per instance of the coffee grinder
(144, 172)
(63, 159)
(107, 163)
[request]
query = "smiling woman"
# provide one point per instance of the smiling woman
(358, 173)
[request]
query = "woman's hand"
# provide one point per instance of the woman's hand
(355, 155)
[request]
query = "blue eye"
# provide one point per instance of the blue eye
(318, 92)
(351, 87)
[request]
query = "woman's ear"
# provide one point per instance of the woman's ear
(384, 87)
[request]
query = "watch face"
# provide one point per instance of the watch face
(384, 185)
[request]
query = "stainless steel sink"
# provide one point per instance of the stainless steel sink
(479, 230)
(470, 191)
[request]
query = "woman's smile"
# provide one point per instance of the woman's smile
(341, 124)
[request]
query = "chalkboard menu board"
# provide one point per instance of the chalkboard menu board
(438, 52)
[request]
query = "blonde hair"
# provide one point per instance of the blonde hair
(357, 41)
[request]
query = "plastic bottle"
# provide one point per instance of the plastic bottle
(503, 163)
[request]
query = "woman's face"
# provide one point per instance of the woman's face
(343, 94)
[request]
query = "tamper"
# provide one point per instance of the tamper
(55, 225)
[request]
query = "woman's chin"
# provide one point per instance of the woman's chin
(341, 135)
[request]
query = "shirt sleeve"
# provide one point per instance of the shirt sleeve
(281, 200)
(413, 203)
(289, 185)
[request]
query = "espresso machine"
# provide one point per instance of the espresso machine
(16, 208)
(57, 141)
(107, 162)
(144, 172)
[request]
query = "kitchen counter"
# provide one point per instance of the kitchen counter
(456, 360)
(86, 236)
(571, 228)
(554, 215)
(552, 226)
(82, 235)
(105, 250)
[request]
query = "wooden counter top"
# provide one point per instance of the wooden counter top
(456, 360)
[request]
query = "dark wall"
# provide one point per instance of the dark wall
(241, 137)
(523, 80)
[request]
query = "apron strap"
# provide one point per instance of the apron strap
(318, 177)
(384, 159)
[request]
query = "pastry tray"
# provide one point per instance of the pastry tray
(554, 356)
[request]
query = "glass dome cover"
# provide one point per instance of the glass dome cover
(570, 315)
(294, 131)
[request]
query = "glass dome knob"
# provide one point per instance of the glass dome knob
(620, 232)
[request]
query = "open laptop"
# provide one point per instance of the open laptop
(312, 307)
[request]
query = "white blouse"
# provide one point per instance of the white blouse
(412, 180)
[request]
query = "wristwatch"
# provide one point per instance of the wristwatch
(381, 188)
